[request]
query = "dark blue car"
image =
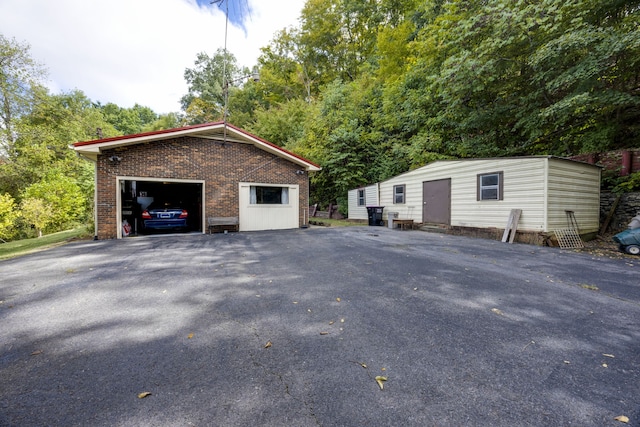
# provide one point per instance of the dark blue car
(164, 217)
(629, 241)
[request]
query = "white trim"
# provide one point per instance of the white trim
(93, 149)
(120, 178)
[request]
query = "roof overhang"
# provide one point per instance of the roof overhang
(219, 131)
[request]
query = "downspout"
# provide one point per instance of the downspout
(545, 215)
(95, 200)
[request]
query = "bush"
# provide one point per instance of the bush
(8, 217)
(628, 184)
(62, 196)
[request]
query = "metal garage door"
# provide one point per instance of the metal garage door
(268, 206)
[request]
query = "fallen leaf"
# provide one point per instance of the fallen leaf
(608, 355)
(332, 322)
(268, 344)
(567, 362)
(383, 369)
(190, 335)
(604, 365)
(497, 311)
(295, 302)
(324, 333)
(622, 419)
(144, 394)
(363, 365)
(341, 320)
(338, 299)
(380, 380)
(37, 352)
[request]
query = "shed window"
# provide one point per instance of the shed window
(361, 198)
(269, 195)
(490, 186)
(398, 193)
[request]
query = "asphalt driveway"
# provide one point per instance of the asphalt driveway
(292, 328)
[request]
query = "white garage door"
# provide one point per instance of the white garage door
(268, 206)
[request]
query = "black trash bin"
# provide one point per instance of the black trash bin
(375, 215)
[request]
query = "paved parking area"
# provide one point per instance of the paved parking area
(292, 328)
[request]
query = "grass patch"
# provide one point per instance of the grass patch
(25, 246)
(334, 222)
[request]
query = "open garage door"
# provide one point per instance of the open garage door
(148, 206)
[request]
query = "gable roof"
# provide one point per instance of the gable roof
(215, 131)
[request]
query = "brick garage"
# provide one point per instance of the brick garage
(200, 157)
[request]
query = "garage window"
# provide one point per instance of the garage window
(269, 195)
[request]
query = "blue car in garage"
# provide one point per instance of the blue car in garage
(164, 216)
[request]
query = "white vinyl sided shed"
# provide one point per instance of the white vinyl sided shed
(480, 193)
(360, 198)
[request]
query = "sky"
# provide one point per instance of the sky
(136, 51)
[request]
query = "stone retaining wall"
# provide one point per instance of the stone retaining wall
(628, 207)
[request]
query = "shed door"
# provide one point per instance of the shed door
(436, 201)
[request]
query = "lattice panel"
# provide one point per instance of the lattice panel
(568, 238)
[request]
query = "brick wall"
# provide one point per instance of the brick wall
(221, 167)
(612, 161)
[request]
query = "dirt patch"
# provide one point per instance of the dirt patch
(606, 247)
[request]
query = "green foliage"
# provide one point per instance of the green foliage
(37, 213)
(8, 216)
(128, 121)
(62, 202)
(20, 79)
(205, 100)
(628, 183)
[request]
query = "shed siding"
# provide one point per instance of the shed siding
(542, 187)
(573, 186)
(370, 199)
(523, 189)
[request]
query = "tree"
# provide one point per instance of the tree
(20, 75)
(42, 139)
(163, 121)
(37, 213)
(208, 81)
(128, 121)
(8, 215)
(63, 198)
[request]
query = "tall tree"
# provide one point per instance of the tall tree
(208, 80)
(20, 76)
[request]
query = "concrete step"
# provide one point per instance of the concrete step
(434, 228)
